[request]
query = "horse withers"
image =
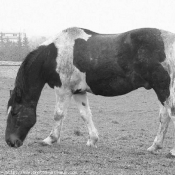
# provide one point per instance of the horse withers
(78, 61)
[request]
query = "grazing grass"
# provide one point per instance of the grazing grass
(127, 126)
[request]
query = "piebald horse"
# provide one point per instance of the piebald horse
(78, 61)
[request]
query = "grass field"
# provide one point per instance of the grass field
(127, 126)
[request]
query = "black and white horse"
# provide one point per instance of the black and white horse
(78, 61)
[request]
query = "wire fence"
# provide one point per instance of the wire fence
(8, 69)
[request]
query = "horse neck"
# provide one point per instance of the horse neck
(34, 91)
(31, 85)
(41, 71)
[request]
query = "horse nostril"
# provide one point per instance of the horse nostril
(9, 143)
(17, 143)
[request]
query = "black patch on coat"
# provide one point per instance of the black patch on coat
(38, 68)
(117, 64)
(89, 32)
(51, 76)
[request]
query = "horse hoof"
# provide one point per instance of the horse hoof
(170, 156)
(92, 142)
(43, 143)
(151, 149)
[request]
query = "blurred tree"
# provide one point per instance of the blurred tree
(25, 41)
(17, 51)
(25, 46)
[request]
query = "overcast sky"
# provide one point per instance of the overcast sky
(48, 17)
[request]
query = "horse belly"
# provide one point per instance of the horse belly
(111, 87)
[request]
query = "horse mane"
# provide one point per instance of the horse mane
(26, 65)
(31, 57)
(20, 85)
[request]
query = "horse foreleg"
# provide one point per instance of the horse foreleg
(83, 106)
(62, 103)
(164, 121)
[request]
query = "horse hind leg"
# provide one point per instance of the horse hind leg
(171, 112)
(164, 122)
(63, 99)
(163, 84)
(83, 106)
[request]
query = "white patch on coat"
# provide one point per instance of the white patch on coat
(70, 76)
(85, 111)
(169, 63)
(164, 122)
(63, 98)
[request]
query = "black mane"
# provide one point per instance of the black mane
(25, 67)
(21, 74)
(38, 68)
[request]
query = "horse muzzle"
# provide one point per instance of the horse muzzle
(14, 141)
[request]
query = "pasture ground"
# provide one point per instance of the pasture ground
(127, 126)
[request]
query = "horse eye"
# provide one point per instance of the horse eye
(14, 112)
